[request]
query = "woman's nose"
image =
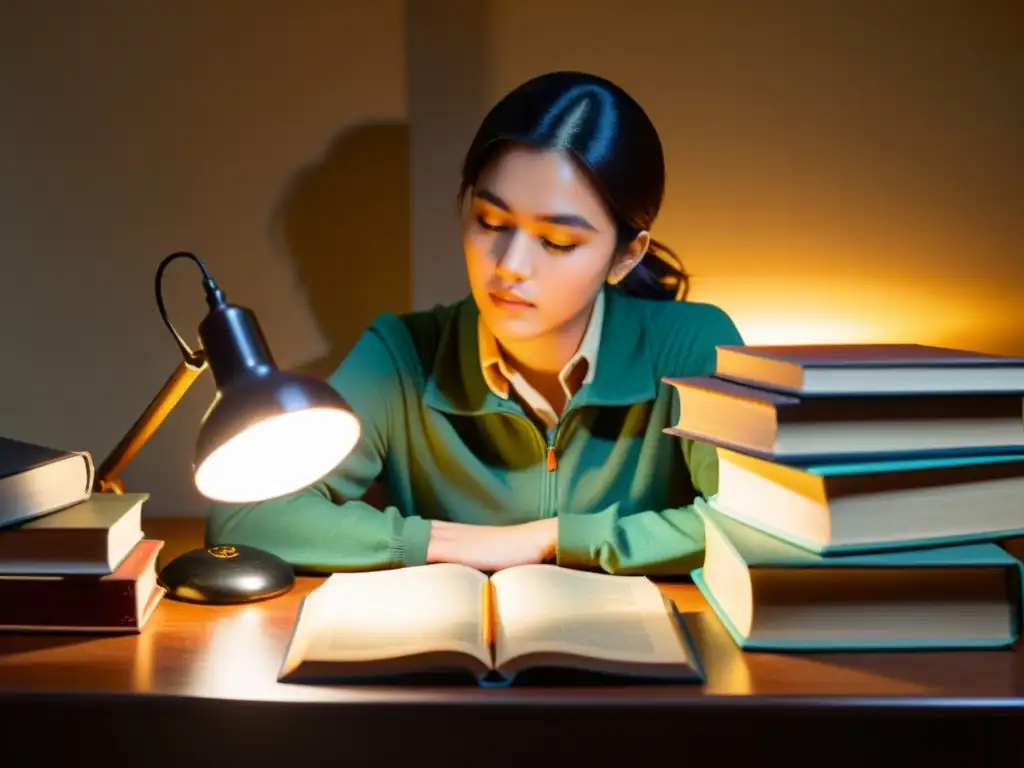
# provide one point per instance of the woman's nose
(514, 256)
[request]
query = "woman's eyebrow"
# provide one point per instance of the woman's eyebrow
(561, 219)
(568, 220)
(491, 198)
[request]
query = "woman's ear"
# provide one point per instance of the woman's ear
(629, 257)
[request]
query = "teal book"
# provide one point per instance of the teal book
(802, 430)
(449, 622)
(773, 596)
(848, 507)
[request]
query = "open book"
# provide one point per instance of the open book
(446, 618)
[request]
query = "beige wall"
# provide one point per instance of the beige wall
(447, 58)
(837, 171)
(269, 138)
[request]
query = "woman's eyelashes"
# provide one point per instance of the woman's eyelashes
(492, 225)
(558, 247)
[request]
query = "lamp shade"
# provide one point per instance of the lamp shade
(268, 432)
(271, 436)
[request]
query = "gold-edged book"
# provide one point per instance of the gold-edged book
(527, 623)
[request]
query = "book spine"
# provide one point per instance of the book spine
(67, 602)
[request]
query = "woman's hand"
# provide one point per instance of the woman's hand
(492, 548)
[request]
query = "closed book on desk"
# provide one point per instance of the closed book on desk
(791, 429)
(91, 537)
(817, 369)
(122, 601)
(773, 596)
(875, 505)
(532, 621)
(36, 480)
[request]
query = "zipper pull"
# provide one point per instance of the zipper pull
(552, 460)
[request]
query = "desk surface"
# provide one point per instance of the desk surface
(235, 652)
(199, 683)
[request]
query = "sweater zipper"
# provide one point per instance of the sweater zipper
(548, 446)
(549, 476)
(550, 463)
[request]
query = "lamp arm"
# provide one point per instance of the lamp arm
(108, 475)
(193, 363)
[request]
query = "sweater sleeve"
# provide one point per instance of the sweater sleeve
(656, 541)
(650, 541)
(325, 527)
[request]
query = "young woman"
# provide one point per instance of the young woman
(524, 423)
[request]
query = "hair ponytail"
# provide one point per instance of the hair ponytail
(658, 275)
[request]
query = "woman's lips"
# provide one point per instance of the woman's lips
(509, 301)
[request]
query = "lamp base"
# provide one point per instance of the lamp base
(226, 574)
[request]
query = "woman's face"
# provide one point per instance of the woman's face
(539, 243)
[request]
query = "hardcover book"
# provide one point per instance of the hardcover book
(91, 537)
(875, 505)
(792, 429)
(120, 602)
(36, 480)
(812, 369)
(771, 595)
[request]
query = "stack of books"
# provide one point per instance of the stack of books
(863, 492)
(71, 560)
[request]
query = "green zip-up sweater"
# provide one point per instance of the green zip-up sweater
(447, 448)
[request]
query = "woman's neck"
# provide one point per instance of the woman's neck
(547, 355)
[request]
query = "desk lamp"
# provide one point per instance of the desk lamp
(267, 433)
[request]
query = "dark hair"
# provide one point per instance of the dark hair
(612, 140)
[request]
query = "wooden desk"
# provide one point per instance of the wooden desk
(199, 684)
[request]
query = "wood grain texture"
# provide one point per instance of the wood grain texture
(199, 685)
(235, 652)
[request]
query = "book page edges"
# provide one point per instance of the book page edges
(297, 642)
(737, 364)
(895, 644)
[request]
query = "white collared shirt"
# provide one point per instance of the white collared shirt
(502, 378)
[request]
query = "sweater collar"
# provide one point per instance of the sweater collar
(625, 374)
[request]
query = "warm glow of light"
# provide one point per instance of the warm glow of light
(768, 326)
(241, 660)
(804, 309)
(278, 456)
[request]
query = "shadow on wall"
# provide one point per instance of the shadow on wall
(345, 223)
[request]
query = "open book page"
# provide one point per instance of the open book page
(366, 617)
(552, 611)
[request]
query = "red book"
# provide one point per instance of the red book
(121, 601)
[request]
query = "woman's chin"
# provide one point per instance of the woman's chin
(518, 326)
